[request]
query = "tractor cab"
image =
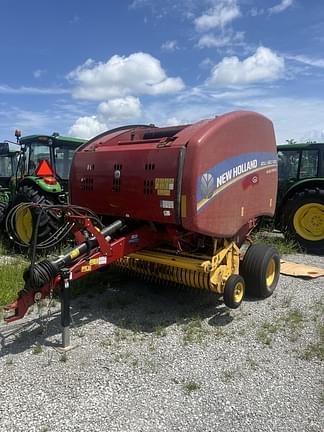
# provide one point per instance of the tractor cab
(55, 149)
(41, 177)
(8, 162)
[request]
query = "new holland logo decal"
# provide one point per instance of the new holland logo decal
(229, 172)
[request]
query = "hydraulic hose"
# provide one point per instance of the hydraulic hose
(39, 274)
(55, 238)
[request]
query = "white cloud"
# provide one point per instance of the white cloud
(140, 73)
(119, 109)
(209, 40)
(109, 114)
(224, 12)
(264, 65)
(39, 72)
(172, 121)
(293, 117)
(307, 60)
(5, 89)
(256, 12)
(87, 127)
(29, 121)
(170, 46)
(283, 5)
(206, 63)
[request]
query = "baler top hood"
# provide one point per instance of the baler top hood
(210, 177)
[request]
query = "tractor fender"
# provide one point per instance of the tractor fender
(41, 184)
(298, 187)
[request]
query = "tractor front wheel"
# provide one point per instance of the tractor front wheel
(260, 269)
(234, 291)
(304, 220)
(26, 218)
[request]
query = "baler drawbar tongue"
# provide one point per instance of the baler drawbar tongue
(98, 250)
(42, 277)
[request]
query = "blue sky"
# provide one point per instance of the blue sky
(82, 67)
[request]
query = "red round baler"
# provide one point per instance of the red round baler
(174, 204)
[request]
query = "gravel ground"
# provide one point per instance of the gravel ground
(150, 359)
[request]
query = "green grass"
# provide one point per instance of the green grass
(5, 247)
(11, 280)
(316, 350)
(252, 363)
(282, 245)
(9, 361)
(294, 318)
(63, 358)
(190, 387)
(289, 324)
(159, 330)
(266, 332)
(194, 332)
(37, 349)
(228, 375)
(321, 397)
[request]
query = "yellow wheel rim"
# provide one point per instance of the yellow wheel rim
(309, 221)
(24, 224)
(271, 272)
(238, 292)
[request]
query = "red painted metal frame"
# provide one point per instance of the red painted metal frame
(146, 236)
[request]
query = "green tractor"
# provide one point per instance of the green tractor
(41, 177)
(300, 203)
(8, 165)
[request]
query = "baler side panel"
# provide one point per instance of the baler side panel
(134, 181)
(230, 174)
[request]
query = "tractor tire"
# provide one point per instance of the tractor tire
(303, 220)
(25, 219)
(260, 269)
(3, 212)
(234, 291)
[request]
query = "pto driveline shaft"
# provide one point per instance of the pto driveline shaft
(41, 273)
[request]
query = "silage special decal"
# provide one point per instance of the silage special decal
(223, 175)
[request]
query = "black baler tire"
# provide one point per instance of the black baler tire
(254, 267)
(49, 221)
(3, 212)
(229, 291)
(307, 196)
